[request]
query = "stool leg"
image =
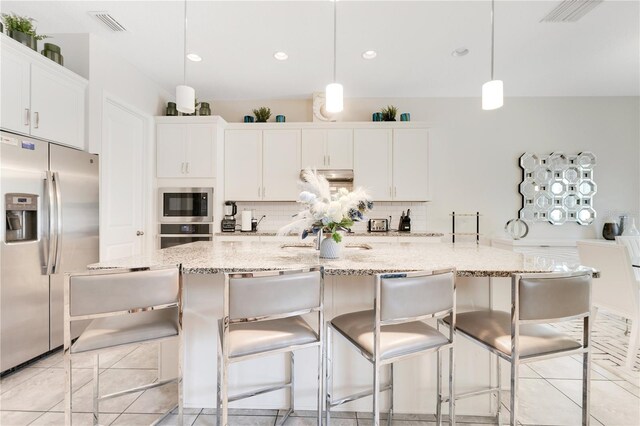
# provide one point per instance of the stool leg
(320, 379)
(292, 387)
(390, 395)
(328, 378)
(452, 400)
(514, 392)
(438, 388)
(586, 371)
(376, 394)
(68, 392)
(96, 389)
(499, 392)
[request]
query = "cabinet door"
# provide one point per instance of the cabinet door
(313, 148)
(170, 150)
(410, 164)
(200, 151)
(57, 107)
(14, 102)
(340, 148)
(281, 165)
(372, 162)
(243, 165)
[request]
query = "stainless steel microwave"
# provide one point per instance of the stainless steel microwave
(180, 205)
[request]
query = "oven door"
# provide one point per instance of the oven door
(173, 240)
(185, 205)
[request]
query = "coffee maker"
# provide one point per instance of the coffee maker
(229, 221)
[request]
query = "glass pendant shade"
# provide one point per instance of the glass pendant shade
(186, 99)
(492, 96)
(334, 97)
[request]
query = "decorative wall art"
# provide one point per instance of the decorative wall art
(558, 188)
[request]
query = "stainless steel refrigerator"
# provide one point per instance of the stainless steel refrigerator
(49, 198)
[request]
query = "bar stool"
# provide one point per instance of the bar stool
(125, 306)
(394, 330)
(263, 316)
(524, 335)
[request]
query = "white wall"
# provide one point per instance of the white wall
(475, 153)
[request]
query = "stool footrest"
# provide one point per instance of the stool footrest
(160, 419)
(469, 394)
(258, 392)
(137, 389)
(358, 395)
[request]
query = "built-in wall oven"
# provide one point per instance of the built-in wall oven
(185, 215)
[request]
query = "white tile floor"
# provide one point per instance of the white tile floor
(549, 395)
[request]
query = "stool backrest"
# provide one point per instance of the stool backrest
(553, 297)
(260, 295)
(414, 295)
(101, 292)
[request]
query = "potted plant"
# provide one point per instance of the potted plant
(389, 113)
(262, 114)
(22, 29)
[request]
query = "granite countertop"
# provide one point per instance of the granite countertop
(354, 234)
(212, 257)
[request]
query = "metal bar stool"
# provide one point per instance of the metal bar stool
(263, 316)
(394, 330)
(125, 306)
(524, 335)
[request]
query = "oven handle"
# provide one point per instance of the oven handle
(185, 235)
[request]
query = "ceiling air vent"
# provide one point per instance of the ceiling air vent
(571, 10)
(109, 21)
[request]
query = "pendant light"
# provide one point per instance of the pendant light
(492, 91)
(185, 95)
(334, 91)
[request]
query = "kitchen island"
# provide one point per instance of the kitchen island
(482, 282)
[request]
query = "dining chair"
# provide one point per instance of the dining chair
(125, 307)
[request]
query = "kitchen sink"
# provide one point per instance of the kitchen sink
(313, 247)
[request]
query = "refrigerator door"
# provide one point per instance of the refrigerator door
(76, 187)
(24, 285)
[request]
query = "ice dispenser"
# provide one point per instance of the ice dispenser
(22, 217)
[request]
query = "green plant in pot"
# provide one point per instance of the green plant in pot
(389, 113)
(262, 114)
(22, 29)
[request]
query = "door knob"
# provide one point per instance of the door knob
(139, 233)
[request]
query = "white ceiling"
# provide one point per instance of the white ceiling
(597, 56)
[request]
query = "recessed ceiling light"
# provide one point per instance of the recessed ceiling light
(194, 57)
(369, 54)
(281, 56)
(461, 51)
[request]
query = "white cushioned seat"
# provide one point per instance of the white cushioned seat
(262, 336)
(396, 339)
(494, 329)
(124, 329)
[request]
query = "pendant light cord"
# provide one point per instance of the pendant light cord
(184, 49)
(492, 38)
(334, 40)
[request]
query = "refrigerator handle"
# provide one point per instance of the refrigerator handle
(56, 180)
(51, 222)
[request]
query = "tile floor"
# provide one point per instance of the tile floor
(550, 393)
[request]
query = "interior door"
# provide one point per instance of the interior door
(340, 148)
(122, 192)
(372, 162)
(171, 142)
(280, 165)
(410, 164)
(200, 151)
(243, 165)
(14, 102)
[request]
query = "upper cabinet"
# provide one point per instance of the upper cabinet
(185, 150)
(39, 97)
(392, 164)
(327, 148)
(262, 165)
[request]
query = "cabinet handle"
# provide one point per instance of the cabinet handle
(390, 193)
(258, 192)
(182, 168)
(395, 191)
(37, 119)
(324, 160)
(264, 192)
(187, 167)
(27, 116)
(139, 233)
(328, 160)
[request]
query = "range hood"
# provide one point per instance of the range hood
(337, 178)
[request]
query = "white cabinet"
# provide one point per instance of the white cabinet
(41, 98)
(327, 148)
(372, 162)
(243, 165)
(393, 165)
(185, 150)
(262, 165)
(410, 164)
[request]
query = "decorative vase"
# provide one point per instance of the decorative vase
(26, 39)
(249, 119)
(204, 108)
(405, 116)
(610, 230)
(329, 249)
(376, 116)
(171, 109)
(280, 118)
(53, 52)
(630, 229)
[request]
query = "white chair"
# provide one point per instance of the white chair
(125, 307)
(618, 289)
(633, 245)
(394, 330)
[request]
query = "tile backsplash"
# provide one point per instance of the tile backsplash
(279, 214)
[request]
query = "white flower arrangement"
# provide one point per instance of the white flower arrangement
(326, 211)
